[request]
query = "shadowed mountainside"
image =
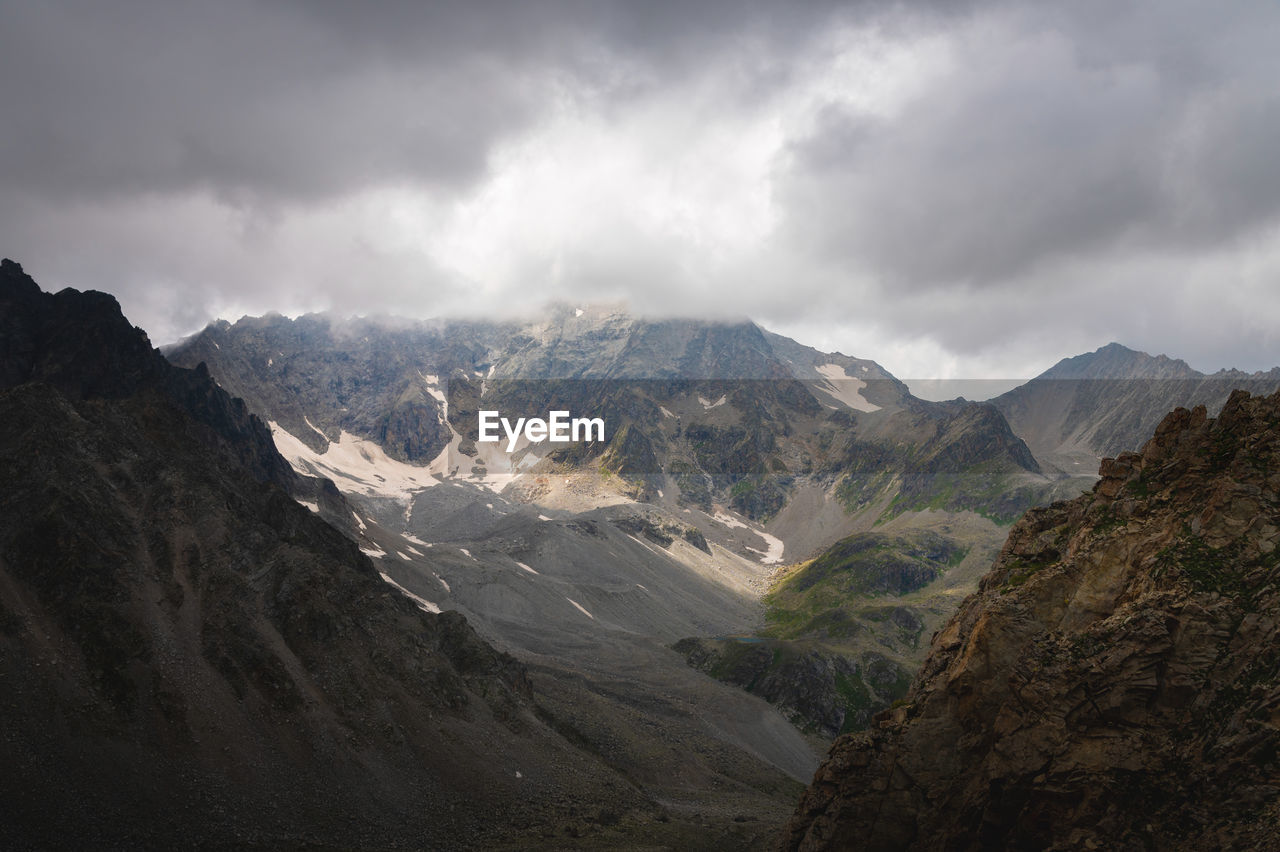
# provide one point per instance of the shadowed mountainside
(189, 654)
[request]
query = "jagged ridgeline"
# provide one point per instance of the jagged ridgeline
(712, 413)
(1113, 684)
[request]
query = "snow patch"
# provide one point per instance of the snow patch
(708, 405)
(774, 546)
(730, 522)
(527, 568)
(372, 552)
(838, 383)
(581, 608)
(413, 538)
(664, 411)
(577, 312)
(314, 507)
(467, 553)
(432, 381)
(423, 604)
(358, 466)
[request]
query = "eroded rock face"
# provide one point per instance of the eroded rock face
(1115, 682)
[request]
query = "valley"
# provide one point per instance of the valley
(647, 636)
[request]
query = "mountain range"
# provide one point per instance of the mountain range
(272, 579)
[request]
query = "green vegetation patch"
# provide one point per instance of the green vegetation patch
(873, 564)
(1206, 568)
(1018, 570)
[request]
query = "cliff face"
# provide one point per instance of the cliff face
(1114, 683)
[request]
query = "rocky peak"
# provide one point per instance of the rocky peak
(1114, 682)
(1103, 402)
(1115, 361)
(81, 344)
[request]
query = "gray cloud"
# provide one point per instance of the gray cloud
(1045, 142)
(1029, 180)
(241, 99)
(305, 99)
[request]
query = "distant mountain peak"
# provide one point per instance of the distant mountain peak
(1117, 361)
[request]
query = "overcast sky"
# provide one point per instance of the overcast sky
(953, 189)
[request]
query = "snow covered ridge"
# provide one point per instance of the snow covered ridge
(559, 428)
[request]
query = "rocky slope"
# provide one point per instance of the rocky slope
(1114, 684)
(189, 656)
(1104, 402)
(843, 632)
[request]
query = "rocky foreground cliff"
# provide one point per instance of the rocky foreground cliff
(1113, 684)
(191, 658)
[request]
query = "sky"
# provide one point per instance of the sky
(969, 189)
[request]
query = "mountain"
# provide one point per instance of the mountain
(1113, 684)
(190, 656)
(761, 448)
(721, 412)
(1105, 402)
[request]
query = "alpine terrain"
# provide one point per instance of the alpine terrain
(191, 655)
(1113, 684)
(728, 453)
(281, 586)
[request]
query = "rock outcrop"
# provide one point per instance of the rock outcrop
(1113, 684)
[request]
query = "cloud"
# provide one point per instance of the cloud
(981, 187)
(1037, 144)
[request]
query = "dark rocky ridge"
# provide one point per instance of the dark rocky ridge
(189, 655)
(80, 344)
(1114, 684)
